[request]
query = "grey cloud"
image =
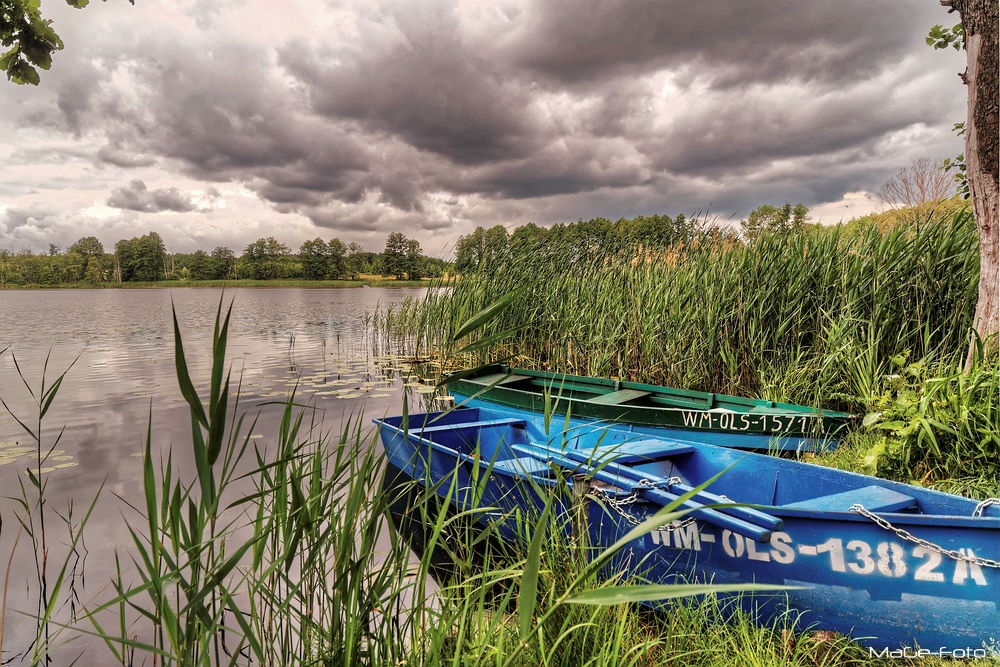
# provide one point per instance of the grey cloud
(35, 215)
(567, 167)
(230, 119)
(137, 197)
(427, 87)
(740, 133)
(727, 43)
(122, 158)
(355, 219)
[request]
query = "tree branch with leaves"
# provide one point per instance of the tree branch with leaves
(30, 40)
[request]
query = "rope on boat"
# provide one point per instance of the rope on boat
(960, 554)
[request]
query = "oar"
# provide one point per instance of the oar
(697, 509)
(749, 514)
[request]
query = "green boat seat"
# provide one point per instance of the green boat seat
(499, 378)
(872, 498)
(636, 451)
(523, 465)
(620, 396)
(686, 402)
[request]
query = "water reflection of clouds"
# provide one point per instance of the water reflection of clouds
(124, 379)
(124, 340)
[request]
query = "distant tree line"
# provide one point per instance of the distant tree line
(485, 248)
(600, 237)
(145, 259)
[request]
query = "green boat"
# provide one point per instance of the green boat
(717, 419)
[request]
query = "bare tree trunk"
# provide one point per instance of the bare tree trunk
(982, 153)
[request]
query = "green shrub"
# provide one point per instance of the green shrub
(944, 422)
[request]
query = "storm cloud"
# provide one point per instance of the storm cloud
(137, 197)
(430, 117)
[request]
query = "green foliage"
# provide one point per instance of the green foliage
(313, 255)
(265, 259)
(402, 258)
(768, 219)
(491, 249)
(141, 259)
(941, 37)
(357, 260)
(478, 250)
(31, 39)
(222, 264)
(145, 260)
(957, 164)
(88, 246)
(945, 421)
(321, 260)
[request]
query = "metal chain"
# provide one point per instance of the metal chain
(981, 507)
(910, 537)
(618, 505)
(671, 527)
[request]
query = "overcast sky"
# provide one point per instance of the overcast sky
(215, 122)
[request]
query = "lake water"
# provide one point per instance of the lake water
(124, 378)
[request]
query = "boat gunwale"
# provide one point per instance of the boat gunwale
(897, 518)
(662, 391)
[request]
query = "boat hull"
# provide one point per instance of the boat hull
(852, 575)
(716, 419)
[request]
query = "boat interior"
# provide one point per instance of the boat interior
(601, 391)
(518, 448)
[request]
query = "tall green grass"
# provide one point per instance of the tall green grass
(788, 317)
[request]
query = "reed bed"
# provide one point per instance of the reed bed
(789, 317)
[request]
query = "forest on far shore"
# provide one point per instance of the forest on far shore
(145, 259)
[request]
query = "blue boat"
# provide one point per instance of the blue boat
(892, 565)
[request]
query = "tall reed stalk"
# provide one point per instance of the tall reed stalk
(32, 510)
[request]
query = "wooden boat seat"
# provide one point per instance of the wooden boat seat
(684, 402)
(637, 451)
(523, 465)
(489, 423)
(620, 396)
(872, 498)
(499, 378)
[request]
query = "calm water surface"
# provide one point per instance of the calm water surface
(124, 378)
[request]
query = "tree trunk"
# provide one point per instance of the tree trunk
(982, 154)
